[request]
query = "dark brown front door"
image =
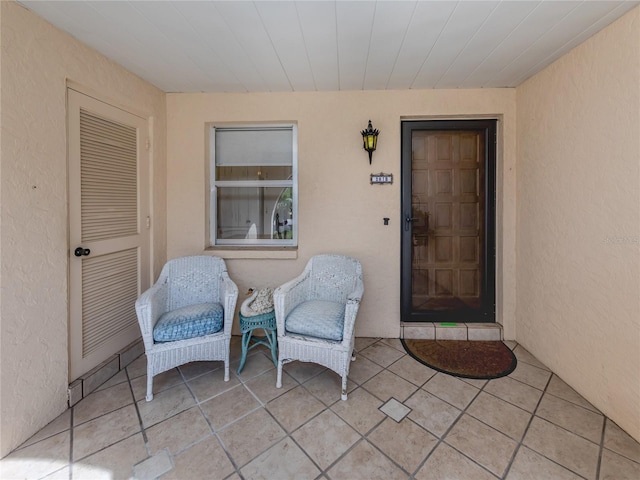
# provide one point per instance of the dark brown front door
(448, 171)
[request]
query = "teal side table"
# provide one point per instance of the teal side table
(264, 321)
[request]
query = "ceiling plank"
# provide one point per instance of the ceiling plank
(283, 28)
(208, 67)
(539, 20)
(211, 26)
(319, 45)
(247, 27)
(354, 25)
(465, 21)
(318, 24)
(586, 19)
(499, 24)
(140, 36)
(390, 26)
(426, 25)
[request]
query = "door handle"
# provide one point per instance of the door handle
(408, 220)
(78, 252)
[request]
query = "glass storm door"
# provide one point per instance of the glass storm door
(448, 231)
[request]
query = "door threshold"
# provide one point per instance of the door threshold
(451, 331)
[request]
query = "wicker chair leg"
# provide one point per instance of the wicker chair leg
(149, 396)
(344, 388)
(226, 370)
(279, 377)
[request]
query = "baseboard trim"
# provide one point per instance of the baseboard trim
(93, 379)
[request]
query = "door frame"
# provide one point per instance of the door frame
(486, 314)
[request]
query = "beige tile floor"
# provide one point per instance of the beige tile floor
(529, 425)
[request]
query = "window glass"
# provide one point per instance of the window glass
(254, 213)
(253, 191)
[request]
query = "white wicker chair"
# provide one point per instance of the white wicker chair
(183, 282)
(327, 280)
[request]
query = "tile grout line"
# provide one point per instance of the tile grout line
(533, 416)
(371, 430)
(462, 411)
(135, 404)
(635, 460)
(526, 429)
(71, 443)
(214, 432)
(511, 403)
(263, 406)
(72, 427)
(365, 436)
(411, 475)
(323, 471)
(289, 434)
(142, 429)
(441, 439)
(601, 448)
(545, 392)
(242, 382)
(373, 445)
(122, 407)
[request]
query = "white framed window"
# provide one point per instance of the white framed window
(253, 194)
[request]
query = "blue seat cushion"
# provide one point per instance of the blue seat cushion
(317, 318)
(189, 322)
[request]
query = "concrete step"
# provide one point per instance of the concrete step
(451, 331)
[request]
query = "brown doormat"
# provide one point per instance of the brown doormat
(462, 358)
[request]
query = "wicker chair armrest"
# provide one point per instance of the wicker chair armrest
(229, 294)
(351, 310)
(149, 307)
(288, 296)
(355, 296)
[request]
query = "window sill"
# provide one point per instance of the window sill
(230, 252)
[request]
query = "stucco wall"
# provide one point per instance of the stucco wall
(338, 208)
(37, 59)
(578, 231)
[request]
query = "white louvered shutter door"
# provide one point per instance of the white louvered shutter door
(108, 206)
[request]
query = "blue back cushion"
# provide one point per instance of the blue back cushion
(317, 318)
(189, 322)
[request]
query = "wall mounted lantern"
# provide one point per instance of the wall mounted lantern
(370, 139)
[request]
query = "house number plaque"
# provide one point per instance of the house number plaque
(381, 178)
